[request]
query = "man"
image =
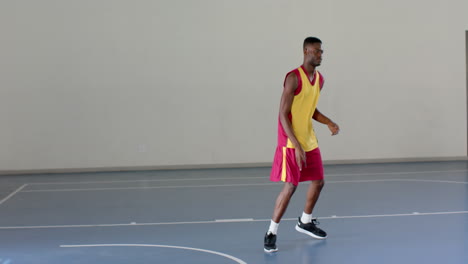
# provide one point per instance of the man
(297, 156)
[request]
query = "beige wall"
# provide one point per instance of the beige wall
(107, 83)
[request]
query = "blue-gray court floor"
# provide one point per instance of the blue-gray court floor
(374, 213)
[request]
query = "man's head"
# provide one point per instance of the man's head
(313, 51)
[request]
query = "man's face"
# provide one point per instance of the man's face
(313, 54)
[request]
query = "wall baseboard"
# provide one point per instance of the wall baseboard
(223, 166)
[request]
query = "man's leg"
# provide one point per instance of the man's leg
(305, 224)
(315, 188)
(282, 202)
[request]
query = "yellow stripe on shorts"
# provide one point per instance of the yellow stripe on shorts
(283, 170)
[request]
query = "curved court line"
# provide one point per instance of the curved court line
(160, 246)
(228, 185)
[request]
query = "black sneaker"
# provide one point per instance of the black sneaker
(269, 244)
(311, 229)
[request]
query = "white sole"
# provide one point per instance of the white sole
(309, 233)
(270, 250)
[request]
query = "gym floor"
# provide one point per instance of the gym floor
(373, 213)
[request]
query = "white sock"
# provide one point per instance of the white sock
(273, 227)
(306, 218)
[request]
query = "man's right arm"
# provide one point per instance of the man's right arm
(287, 98)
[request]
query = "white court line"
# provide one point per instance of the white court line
(161, 246)
(398, 180)
(143, 181)
(242, 220)
(13, 193)
(234, 220)
(229, 185)
(148, 187)
(243, 178)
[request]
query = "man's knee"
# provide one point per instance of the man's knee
(319, 184)
(289, 188)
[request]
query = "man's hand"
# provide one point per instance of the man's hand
(334, 128)
(300, 157)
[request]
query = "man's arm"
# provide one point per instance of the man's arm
(287, 98)
(319, 117)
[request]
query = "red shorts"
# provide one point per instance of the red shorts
(285, 166)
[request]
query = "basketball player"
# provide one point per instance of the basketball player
(297, 157)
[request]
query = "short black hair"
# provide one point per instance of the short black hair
(311, 40)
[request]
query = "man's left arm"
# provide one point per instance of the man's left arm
(321, 118)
